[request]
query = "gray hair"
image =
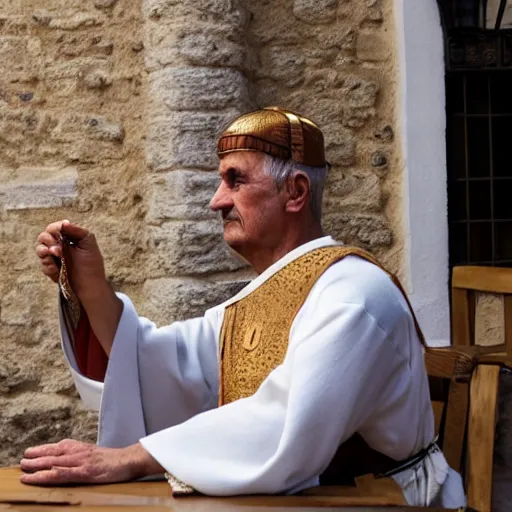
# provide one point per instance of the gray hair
(281, 170)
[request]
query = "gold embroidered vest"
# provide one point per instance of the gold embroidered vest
(255, 331)
(254, 340)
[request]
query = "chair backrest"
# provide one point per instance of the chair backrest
(464, 389)
(466, 281)
(449, 372)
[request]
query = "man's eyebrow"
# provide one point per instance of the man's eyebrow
(229, 170)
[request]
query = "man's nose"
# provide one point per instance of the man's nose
(221, 199)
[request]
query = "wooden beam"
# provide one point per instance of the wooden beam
(481, 431)
(483, 279)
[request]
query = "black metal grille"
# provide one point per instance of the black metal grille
(471, 13)
(479, 150)
(470, 49)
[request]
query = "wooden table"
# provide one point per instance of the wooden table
(157, 497)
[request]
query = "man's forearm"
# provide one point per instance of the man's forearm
(104, 310)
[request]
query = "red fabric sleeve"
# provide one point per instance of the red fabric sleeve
(90, 357)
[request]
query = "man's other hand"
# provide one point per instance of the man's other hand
(74, 462)
(84, 262)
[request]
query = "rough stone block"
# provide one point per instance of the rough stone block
(30, 420)
(100, 128)
(353, 107)
(190, 248)
(354, 117)
(167, 300)
(315, 11)
(340, 144)
(323, 110)
(320, 58)
(384, 133)
(69, 46)
(104, 4)
(13, 25)
(198, 89)
(361, 192)
(71, 21)
(97, 79)
(21, 126)
(372, 47)
(358, 92)
(284, 64)
(65, 77)
(368, 231)
(203, 49)
(203, 44)
(76, 68)
(87, 138)
(341, 182)
(59, 381)
(181, 195)
(13, 378)
(232, 12)
(22, 56)
(340, 39)
(186, 139)
(36, 187)
(85, 425)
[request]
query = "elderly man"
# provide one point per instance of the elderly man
(318, 356)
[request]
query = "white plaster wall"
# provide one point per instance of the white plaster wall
(423, 120)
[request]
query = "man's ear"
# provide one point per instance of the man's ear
(298, 187)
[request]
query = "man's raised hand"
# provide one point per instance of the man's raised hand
(85, 269)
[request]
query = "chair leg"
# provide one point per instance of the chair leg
(481, 432)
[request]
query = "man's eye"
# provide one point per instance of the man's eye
(234, 179)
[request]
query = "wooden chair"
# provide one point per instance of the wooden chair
(468, 280)
(464, 389)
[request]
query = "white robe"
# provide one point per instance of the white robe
(354, 364)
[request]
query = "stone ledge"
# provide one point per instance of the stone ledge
(38, 187)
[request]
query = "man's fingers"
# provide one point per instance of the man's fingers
(44, 252)
(41, 463)
(55, 476)
(45, 450)
(64, 447)
(74, 232)
(46, 477)
(47, 238)
(50, 268)
(55, 228)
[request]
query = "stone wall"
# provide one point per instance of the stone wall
(72, 122)
(109, 112)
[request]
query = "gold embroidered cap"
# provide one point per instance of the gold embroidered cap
(276, 132)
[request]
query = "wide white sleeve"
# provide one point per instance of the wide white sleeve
(156, 377)
(282, 438)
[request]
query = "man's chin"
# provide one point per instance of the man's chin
(232, 234)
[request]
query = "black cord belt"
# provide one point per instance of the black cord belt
(411, 461)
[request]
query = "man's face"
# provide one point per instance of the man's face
(252, 208)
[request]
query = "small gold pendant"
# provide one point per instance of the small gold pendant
(252, 338)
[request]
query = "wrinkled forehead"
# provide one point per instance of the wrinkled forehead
(246, 161)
